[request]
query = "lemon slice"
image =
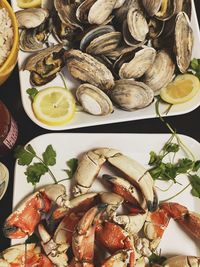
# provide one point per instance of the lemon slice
(28, 3)
(182, 89)
(54, 106)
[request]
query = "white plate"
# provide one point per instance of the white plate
(138, 146)
(83, 119)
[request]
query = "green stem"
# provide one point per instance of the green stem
(180, 192)
(66, 179)
(63, 79)
(49, 171)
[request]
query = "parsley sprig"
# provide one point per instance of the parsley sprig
(41, 165)
(195, 67)
(165, 168)
(156, 259)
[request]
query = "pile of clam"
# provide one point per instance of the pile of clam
(123, 51)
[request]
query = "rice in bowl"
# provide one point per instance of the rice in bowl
(6, 35)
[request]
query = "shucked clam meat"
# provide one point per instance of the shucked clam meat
(94, 100)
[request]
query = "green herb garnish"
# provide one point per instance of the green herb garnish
(72, 165)
(34, 171)
(195, 67)
(156, 259)
(32, 92)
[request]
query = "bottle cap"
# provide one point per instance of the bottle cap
(4, 178)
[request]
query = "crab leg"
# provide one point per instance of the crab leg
(188, 220)
(24, 255)
(120, 259)
(25, 218)
(84, 236)
(55, 252)
(182, 261)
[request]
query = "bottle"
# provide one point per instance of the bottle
(8, 130)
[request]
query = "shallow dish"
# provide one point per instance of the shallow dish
(83, 119)
(138, 147)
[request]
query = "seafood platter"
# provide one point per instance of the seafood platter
(115, 56)
(110, 213)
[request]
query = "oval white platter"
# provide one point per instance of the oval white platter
(83, 119)
(138, 146)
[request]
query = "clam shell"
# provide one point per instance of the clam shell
(100, 11)
(93, 100)
(104, 44)
(183, 41)
(130, 95)
(28, 42)
(152, 6)
(128, 38)
(137, 24)
(161, 73)
(86, 68)
(83, 10)
(31, 17)
(140, 62)
(119, 3)
(4, 179)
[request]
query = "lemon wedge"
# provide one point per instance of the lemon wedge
(54, 106)
(28, 3)
(181, 90)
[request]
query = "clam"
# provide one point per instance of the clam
(31, 17)
(94, 33)
(161, 9)
(128, 38)
(32, 40)
(83, 10)
(119, 51)
(156, 28)
(137, 24)
(45, 64)
(119, 3)
(130, 95)
(88, 69)
(183, 41)
(93, 100)
(100, 11)
(134, 64)
(4, 179)
(160, 73)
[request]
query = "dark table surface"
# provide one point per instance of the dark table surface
(187, 124)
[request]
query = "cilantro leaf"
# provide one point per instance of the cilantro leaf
(34, 172)
(154, 159)
(49, 156)
(32, 92)
(72, 165)
(196, 166)
(30, 149)
(154, 258)
(184, 165)
(24, 157)
(195, 183)
(171, 147)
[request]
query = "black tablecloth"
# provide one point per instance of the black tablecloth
(187, 124)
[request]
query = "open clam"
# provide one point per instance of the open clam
(4, 178)
(31, 18)
(134, 64)
(94, 100)
(88, 69)
(183, 41)
(130, 95)
(45, 64)
(161, 72)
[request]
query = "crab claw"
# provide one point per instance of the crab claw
(25, 218)
(138, 176)
(125, 189)
(188, 220)
(55, 252)
(120, 258)
(113, 201)
(114, 238)
(182, 261)
(155, 225)
(24, 255)
(84, 235)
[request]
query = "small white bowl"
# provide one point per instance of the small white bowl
(4, 178)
